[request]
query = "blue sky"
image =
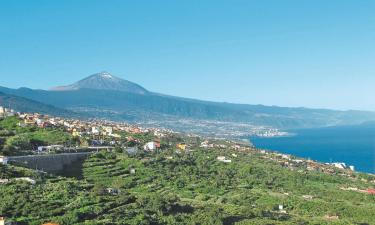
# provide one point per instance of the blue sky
(317, 53)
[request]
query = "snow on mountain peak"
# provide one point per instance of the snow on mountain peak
(104, 81)
(105, 75)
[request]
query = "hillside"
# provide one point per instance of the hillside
(186, 180)
(194, 188)
(22, 104)
(17, 140)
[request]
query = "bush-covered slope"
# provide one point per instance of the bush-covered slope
(194, 188)
(17, 140)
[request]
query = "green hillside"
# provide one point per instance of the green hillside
(193, 188)
(17, 140)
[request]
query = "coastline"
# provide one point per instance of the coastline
(326, 145)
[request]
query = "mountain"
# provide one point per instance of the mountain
(104, 81)
(105, 96)
(21, 104)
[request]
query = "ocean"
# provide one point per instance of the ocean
(353, 145)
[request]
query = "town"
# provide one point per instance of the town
(99, 134)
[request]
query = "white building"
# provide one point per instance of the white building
(4, 181)
(95, 130)
(223, 159)
(151, 146)
(2, 221)
(27, 179)
(50, 148)
(39, 121)
(2, 112)
(307, 197)
(339, 165)
(3, 160)
(10, 113)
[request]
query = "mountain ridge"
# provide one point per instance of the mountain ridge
(103, 81)
(104, 98)
(22, 104)
(139, 107)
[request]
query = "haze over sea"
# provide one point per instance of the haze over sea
(353, 145)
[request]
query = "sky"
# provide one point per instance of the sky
(300, 53)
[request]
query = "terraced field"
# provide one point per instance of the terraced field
(186, 188)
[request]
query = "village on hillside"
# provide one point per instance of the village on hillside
(95, 135)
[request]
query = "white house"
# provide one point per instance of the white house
(151, 146)
(27, 179)
(223, 159)
(3, 160)
(11, 113)
(298, 161)
(95, 130)
(281, 209)
(2, 112)
(39, 121)
(49, 148)
(2, 221)
(307, 197)
(339, 165)
(4, 181)
(113, 191)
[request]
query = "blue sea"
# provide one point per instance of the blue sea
(353, 145)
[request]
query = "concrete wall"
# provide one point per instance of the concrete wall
(48, 163)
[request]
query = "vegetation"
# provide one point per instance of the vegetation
(171, 186)
(17, 140)
(187, 188)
